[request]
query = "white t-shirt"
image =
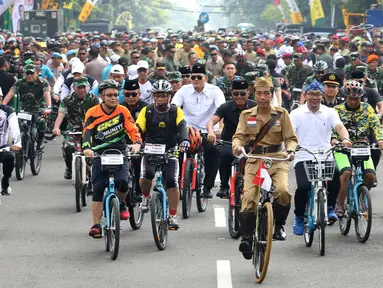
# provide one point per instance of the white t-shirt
(199, 107)
(313, 130)
(146, 92)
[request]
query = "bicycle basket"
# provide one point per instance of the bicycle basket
(319, 171)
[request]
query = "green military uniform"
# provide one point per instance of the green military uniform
(150, 62)
(30, 96)
(171, 64)
(287, 68)
(349, 69)
(298, 75)
(377, 76)
(258, 61)
(226, 86)
(183, 56)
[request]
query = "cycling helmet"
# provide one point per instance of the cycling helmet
(353, 89)
(320, 66)
(195, 139)
(110, 83)
(161, 86)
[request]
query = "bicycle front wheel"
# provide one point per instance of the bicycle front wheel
(345, 221)
(78, 183)
(114, 229)
(159, 224)
(233, 215)
(263, 241)
(36, 158)
(187, 191)
(321, 221)
(363, 218)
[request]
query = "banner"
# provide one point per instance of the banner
(86, 10)
(278, 4)
(68, 4)
(316, 11)
(296, 16)
(7, 19)
(4, 5)
(19, 7)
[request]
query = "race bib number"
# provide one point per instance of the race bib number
(157, 149)
(360, 152)
(110, 160)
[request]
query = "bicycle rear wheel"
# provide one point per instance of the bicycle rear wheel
(78, 184)
(363, 220)
(201, 201)
(321, 222)
(187, 191)
(263, 241)
(114, 229)
(159, 224)
(307, 234)
(345, 221)
(36, 157)
(21, 160)
(233, 215)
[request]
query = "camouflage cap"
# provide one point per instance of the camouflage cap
(174, 76)
(263, 82)
(30, 68)
(81, 81)
(29, 62)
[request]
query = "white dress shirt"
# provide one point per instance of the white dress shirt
(313, 130)
(199, 107)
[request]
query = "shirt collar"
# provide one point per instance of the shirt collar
(254, 111)
(235, 107)
(306, 109)
(202, 92)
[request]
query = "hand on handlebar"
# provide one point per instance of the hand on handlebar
(15, 148)
(135, 148)
(184, 146)
(380, 143)
(89, 153)
(237, 150)
(47, 111)
(56, 98)
(291, 156)
(56, 131)
(347, 143)
(211, 138)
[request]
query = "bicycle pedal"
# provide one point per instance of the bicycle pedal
(173, 229)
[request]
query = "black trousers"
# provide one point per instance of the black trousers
(375, 156)
(225, 158)
(8, 161)
(210, 154)
(304, 186)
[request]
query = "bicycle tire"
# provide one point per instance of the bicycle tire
(36, 158)
(136, 217)
(78, 184)
(233, 214)
(114, 229)
(49, 136)
(321, 222)
(364, 195)
(187, 191)
(345, 222)
(307, 235)
(201, 201)
(160, 234)
(21, 160)
(261, 257)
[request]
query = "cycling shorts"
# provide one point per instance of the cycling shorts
(170, 175)
(343, 162)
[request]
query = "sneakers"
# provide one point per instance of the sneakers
(95, 231)
(68, 174)
(299, 225)
(124, 212)
(339, 211)
(223, 193)
(332, 218)
(173, 222)
(145, 204)
(207, 193)
(7, 191)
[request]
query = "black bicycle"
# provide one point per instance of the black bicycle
(28, 122)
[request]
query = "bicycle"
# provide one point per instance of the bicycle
(136, 216)
(318, 171)
(29, 139)
(263, 232)
(111, 161)
(236, 191)
(192, 178)
(51, 120)
(157, 156)
(82, 181)
(359, 205)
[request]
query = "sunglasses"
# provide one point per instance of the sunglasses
(81, 53)
(133, 94)
(194, 77)
(185, 75)
(320, 72)
(138, 57)
(213, 55)
(237, 93)
(141, 70)
(29, 73)
(111, 95)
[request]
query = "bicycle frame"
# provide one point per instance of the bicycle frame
(110, 193)
(160, 188)
(78, 153)
(353, 187)
(195, 167)
(234, 172)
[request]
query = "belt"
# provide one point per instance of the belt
(267, 149)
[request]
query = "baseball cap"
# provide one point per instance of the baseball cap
(81, 81)
(78, 67)
(117, 69)
(115, 58)
(132, 72)
(174, 76)
(142, 64)
(30, 68)
(160, 65)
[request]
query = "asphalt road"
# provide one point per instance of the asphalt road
(45, 243)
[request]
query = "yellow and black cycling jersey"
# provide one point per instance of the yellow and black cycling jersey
(109, 131)
(162, 128)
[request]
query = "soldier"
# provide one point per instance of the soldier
(175, 79)
(355, 62)
(183, 53)
(147, 55)
(169, 60)
(225, 83)
(243, 65)
(73, 108)
(374, 72)
(331, 82)
(159, 74)
(251, 122)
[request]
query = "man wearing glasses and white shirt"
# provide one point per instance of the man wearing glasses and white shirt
(199, 101)
(313, 124)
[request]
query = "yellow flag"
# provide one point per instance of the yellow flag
(68, 5)
(86, 10)
(316, 11)
(45, 4)
(296, 16)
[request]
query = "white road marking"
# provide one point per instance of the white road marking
(219, 217)
(224, 274)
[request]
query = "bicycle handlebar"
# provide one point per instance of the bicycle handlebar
(263, 157)
(5, 149)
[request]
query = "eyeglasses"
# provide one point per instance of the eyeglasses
(320, 72)
(237, 93)
(213, 54)
(141, 70)
(133, 94)
(138, 57)
(81, 53)
(111, 95)
(194, 77)
(316, 95)
(29, 73)
(185, 75)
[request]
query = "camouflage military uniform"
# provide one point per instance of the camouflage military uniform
(30, 97)
(297, 76)
(74, 110)
(349, 69)
(258, 61)
(244, 67)
(153, 77)
(377, 76)
(171, 64)
(287, 68)
(150, 62)
(225, 85)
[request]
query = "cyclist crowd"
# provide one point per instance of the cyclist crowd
(267, 93)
